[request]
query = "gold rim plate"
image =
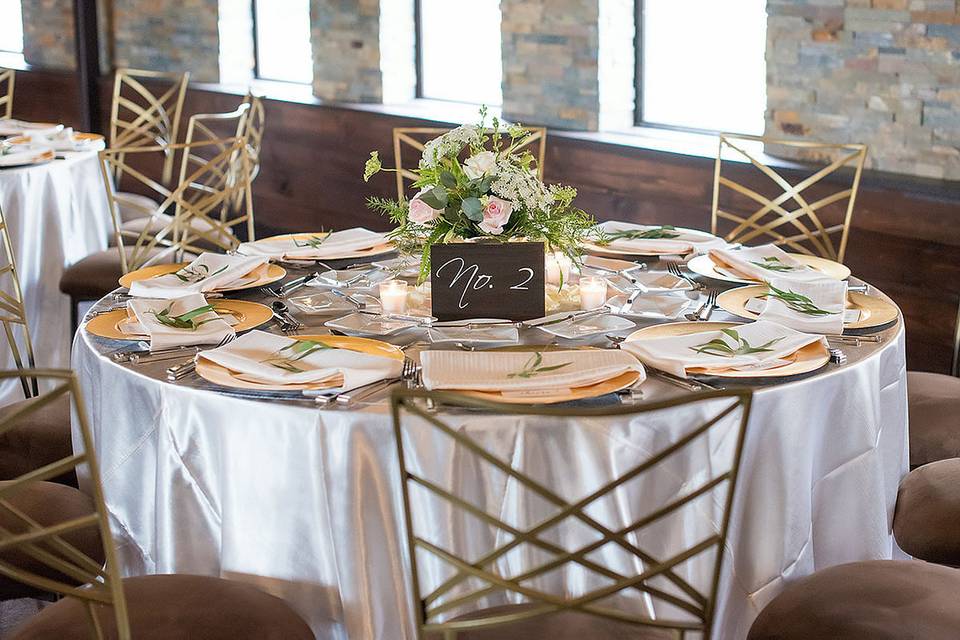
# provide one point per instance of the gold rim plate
(274, 273)
(378, 250)
(606, 250)
(40, 158)
(76, 136)
(220, 375)
(247, 314)
(874, 311)
(705, 266)
(806, 360)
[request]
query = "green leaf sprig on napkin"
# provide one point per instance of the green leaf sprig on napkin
(797, 302)
(719, 346)
(313, 242)
(195, 274)
(184, 320)
(532, 367)
(286, 357)
(658, 233)
(773, 263)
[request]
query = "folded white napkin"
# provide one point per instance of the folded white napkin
(24, 154)
(523, 372)
(677, 354)
(765, 262)
(208, 328)
(318, 246)
(208, 272)
(272, 359)
(680, 242)
(14, 127)
(817, 306)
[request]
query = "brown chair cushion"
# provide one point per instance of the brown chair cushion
(37, 439)
(96, 275)
(927, 520)
(876, 600)
(47, 503)
(165, 607)
(934, 403)
(555, 626)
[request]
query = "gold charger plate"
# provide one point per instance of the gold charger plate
(220, 375)
(705, 266)
(610, 251)
(809, 358)
(378, 250)
(274, 273)
(596, 390)
(94, 137)
(248, 315)
(874, 311)
(41, 157)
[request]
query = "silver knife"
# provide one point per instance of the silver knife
(359, 304)
(296, 283)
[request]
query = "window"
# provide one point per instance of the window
(451, 69)
(11, 35)
(282, 40)
(701, 64)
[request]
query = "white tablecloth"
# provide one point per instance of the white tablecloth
(307, 505)
(56, 214)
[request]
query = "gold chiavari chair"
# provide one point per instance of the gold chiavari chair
(513, 507)
(412, 140)
(7, 79)
(62, 545)
(44, 434)
(252, 132)
(189, 217)
(139, 117)
(798, 227)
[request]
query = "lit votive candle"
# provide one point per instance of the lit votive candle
(557, 268)
(593, 292)
(393, 297)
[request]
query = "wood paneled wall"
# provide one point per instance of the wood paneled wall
(905, 237)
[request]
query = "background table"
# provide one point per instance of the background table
(56, 214)
(306, 503)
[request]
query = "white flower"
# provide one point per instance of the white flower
(449, 144)
(480, 165)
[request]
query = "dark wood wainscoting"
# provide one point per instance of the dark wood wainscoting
(905, 237)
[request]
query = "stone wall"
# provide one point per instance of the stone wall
(48, 33)
(345, 35)
(168, 35)
(550, 70)
(882, 72)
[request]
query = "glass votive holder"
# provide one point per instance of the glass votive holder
(393, 297)
(593, 292)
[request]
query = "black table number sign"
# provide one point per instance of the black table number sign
(488, 280)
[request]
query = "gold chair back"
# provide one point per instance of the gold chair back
(525, 473)
(139, 118)
(409, 142)
(955, 367)
(800, 226)
(7, 79)
(197, 209)
(44, 542)
(13, 313)
(252, 130)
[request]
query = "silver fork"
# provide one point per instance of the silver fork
(178, 371)
(675, 269)
(711, 305)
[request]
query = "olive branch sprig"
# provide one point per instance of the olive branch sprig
(719, 346)
(197, 273)
(184, 320)
(664, 232)
(286, 357)
(773, 263)
(797, 302)
(313, 242)
(532, 367)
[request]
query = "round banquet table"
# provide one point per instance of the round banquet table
(56, 214)
(306, 503)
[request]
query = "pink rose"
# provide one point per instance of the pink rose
(496, 214)
(421, 212)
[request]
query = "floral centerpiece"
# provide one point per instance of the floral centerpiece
(477, 182)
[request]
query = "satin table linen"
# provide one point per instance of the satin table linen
(57, 214)
(306, 503)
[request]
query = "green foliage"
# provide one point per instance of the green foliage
(797, 302)
(532, 367)
(773, 263)
(186, 320)
(719, 346)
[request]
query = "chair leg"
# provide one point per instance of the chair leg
(74, 313)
